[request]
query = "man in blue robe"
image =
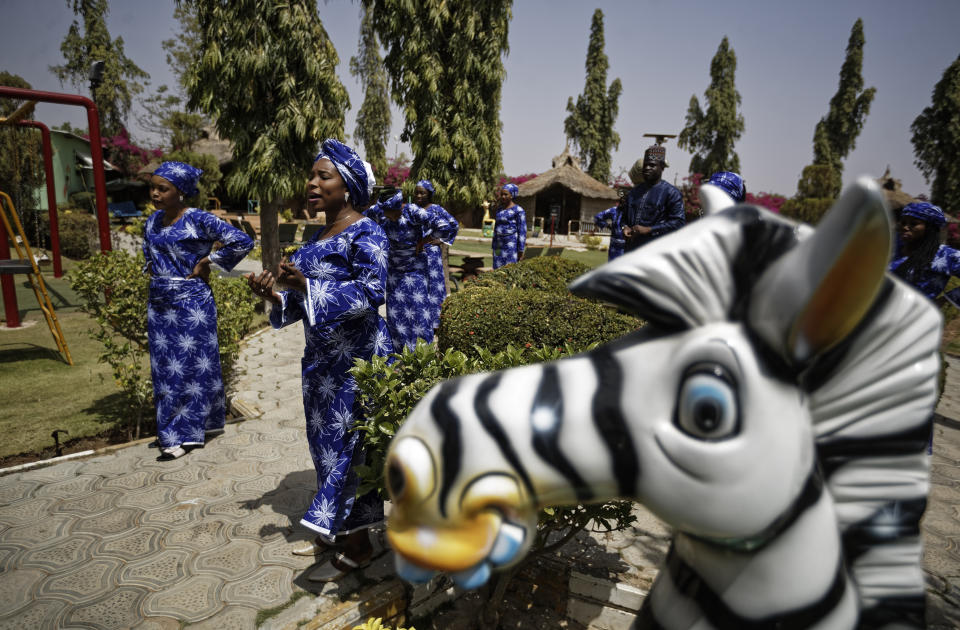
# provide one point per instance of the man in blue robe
(654, 207)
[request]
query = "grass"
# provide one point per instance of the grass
(39, 392)
(591, 258)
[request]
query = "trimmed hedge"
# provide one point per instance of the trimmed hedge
(546, 273)
(806, 210)
(528, 305)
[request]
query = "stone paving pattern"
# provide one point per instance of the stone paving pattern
(125, 541)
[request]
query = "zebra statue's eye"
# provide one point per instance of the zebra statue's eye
(410, 470)
(707, 407)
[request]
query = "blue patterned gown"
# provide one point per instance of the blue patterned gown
(611, 217)
(412, 312)
(932, 280)
(437, 282)
(182, 323)
(345, 285)
(509, 235)
(658, 207)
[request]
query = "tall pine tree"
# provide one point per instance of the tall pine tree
(445, 61)
(373, 119)
(710, 135)
(836, 133)
(936, 141)
(267, 75)
(589, 127)
(121, 76)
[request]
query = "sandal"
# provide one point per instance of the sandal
(313, 547)
(337, 567)
(171, 453)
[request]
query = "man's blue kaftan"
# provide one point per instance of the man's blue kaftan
(182, 323)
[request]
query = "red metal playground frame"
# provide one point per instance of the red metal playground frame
(99, 180)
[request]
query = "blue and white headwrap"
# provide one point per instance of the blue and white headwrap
(925, 212)
(427, 185)
(181, 175)
(395, 202)
(356, 174)
(512, 189)
(731, 183)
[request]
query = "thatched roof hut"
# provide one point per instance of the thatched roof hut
(891, 188)
(575, 195)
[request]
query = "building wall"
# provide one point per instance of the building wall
(66, 176)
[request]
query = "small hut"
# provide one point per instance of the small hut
(896, 197)
(575, 195)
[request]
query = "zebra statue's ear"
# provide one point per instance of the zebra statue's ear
(713, 199)
(815, 295)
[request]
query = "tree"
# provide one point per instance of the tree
(21, 158)
(589, 127)
(836, 133)
(373, 119)
(445, 61)
(266, 74)
(710, 136)
(164, 109)
(936, 140)
(114, 94)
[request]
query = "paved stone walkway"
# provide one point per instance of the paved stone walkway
(124, 541)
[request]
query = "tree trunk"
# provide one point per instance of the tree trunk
(269, 236)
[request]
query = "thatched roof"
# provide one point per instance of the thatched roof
(212, 144)
(566, 172)
(896, 198)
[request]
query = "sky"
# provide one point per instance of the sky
(789, 55)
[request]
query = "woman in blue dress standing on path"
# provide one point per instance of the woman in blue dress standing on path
(336, 283)
(612, 218)
(510, 229)
(411, 314)
(437, 281)
(181, 314)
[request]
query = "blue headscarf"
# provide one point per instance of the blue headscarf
(181, 175)
(356, 174)
(427, 185)
(925, 212)
(512, 189)
(731, 183)
(395, 202)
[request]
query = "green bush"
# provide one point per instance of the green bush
(113, 290)
(806, 210)
(78, 233)
(528, 305)
(495, 317)
(85, 201)
(388, 393)
(546, 273)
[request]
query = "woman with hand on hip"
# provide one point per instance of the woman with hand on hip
(181, 314)
(335, 284)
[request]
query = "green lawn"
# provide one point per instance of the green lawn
(591, 258)
(39, 392)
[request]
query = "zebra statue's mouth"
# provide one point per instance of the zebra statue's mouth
(468, 552)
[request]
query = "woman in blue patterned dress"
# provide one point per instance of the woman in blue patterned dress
(181, 314)
(410, 313)
(611, 217)
(336, 282)
(919, 258)
(510, 229)
(423, 197)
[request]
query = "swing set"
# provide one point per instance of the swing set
(11, 230)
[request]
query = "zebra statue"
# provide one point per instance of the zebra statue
(775, 411)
